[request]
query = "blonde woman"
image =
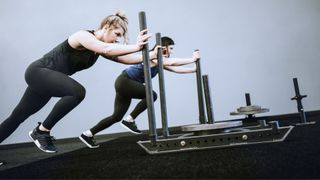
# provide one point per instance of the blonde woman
(50, 75)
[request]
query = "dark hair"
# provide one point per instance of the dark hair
(166, 41)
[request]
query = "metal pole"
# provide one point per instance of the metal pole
(248, 99)
(208, 99)
(202, 118)
(148, 83)
(299, 98)
(248, 102)
(163, 102)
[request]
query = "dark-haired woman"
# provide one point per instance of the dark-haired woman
(130, 85)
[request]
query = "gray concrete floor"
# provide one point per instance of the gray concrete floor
(13, 155)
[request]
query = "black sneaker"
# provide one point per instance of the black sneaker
(43, 140)
(89, 141)
(131, 126)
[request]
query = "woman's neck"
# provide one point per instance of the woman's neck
(99, 34)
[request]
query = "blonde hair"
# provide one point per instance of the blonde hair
(117, 20)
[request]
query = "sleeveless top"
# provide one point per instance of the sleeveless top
(67, 60)
(136, 73)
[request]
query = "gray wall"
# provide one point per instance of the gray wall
(246, 45)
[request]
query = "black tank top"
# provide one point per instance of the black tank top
(67, 60)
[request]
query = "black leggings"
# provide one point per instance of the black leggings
(126, 90)
(43, 84)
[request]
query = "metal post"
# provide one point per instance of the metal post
(248, 102)
(148, 83)
(163, 102)
(208, 99)
(299, 98)
(202, 118)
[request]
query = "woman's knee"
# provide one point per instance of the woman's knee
(80, 92)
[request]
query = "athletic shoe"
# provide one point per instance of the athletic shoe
(131, 126)
(89, 141)
(1, 163)
(43, 140)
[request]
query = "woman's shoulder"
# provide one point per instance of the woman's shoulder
(80, 36)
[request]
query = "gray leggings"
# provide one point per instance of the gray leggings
(43, 83)
(126, 90)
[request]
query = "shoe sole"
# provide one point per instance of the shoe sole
(85, 142)
(36, 142)
(130, 129)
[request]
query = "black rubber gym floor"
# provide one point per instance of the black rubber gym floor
(296, 158)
